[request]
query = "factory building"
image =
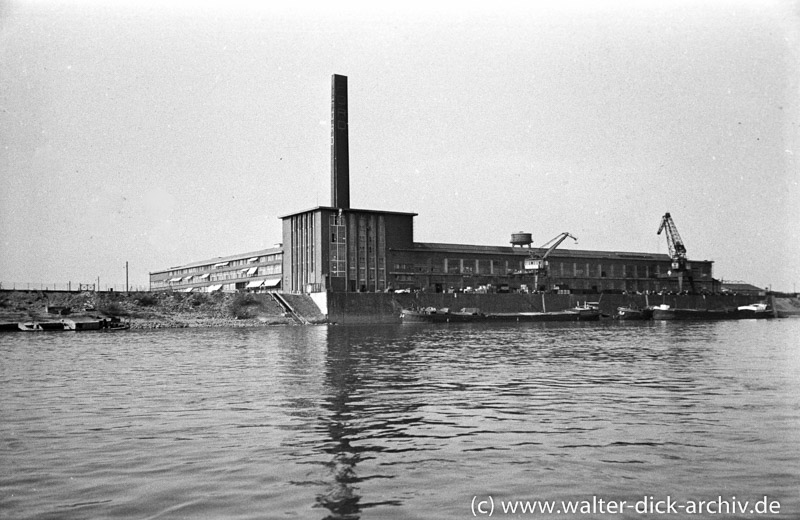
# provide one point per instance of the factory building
(340, 249)
(336, 249)
(254, 271)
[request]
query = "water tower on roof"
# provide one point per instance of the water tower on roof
(521, 239)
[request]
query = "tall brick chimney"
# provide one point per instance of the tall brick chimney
(340, 153)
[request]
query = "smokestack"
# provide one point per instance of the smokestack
(340, 153)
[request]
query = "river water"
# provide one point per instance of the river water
(401, 421)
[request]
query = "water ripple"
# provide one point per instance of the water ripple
(393, 421)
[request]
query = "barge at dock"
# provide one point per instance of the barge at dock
(67, 325)
(744, 312)
(471, 315)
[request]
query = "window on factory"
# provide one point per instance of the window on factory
(338, 253)
(452, 265)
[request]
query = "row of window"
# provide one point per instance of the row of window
(366, 251)
(220, 276)
(275, 257)
(573, 269)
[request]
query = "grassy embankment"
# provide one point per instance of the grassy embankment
(147, 310)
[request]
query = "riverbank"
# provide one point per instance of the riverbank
(146, 310)
(155, 310)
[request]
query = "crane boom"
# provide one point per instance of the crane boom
(677, 251)
(538, 263)
(676, 248)
(556, 242)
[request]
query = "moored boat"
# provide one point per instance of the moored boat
(77, 325)
(469, 315)
(633, 313)
(533, 317)
(629, 313)
(35, 326)
(114, 324)
(589, 311)
(434, 315)
(28, 326)
(665, 312)
(755, 311)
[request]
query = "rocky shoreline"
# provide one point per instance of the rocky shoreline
(193, 322)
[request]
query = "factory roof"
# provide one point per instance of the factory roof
(740, 287)
(224, 259)
(348, 210)
(524, 251)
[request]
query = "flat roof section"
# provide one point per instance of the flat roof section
(348, 210)
(224, 259)
(428, 247)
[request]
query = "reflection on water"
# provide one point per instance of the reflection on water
(340, 375)
(406, 421)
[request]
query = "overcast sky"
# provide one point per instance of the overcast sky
(162, 133)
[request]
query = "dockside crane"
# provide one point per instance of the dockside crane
(538, 264)
(677, 251)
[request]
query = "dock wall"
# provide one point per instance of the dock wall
(347, 308)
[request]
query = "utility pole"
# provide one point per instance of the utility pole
(127, 287)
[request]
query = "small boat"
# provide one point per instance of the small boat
(633, 313)
(589, 311)
(113, 325)
(755, 311)
(28, 326)
(629, 313)
(77, 325)
(36, 326)
(434, 315)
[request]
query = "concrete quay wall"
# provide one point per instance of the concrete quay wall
(346, 308)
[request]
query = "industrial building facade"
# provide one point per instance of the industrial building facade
(346, 250)
(339, 249)
(254, 271)
(342, 250)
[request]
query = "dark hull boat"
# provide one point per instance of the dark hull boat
(632, 313)
(746, 312)
(432, 315)
(66, 325)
